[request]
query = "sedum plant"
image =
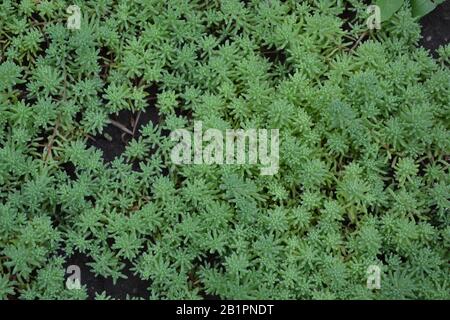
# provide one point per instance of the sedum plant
(364, 151)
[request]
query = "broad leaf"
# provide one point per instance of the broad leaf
(388, 7)
(422, 7)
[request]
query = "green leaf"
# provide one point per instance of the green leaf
(422, 7)
(389, 7)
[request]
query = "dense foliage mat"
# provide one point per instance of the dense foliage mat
(364, 150)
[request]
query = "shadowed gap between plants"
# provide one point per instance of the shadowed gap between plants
(115, 146)
(133, 285)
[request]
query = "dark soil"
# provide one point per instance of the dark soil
(119, 139)
(133, 285)
(436, 28)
